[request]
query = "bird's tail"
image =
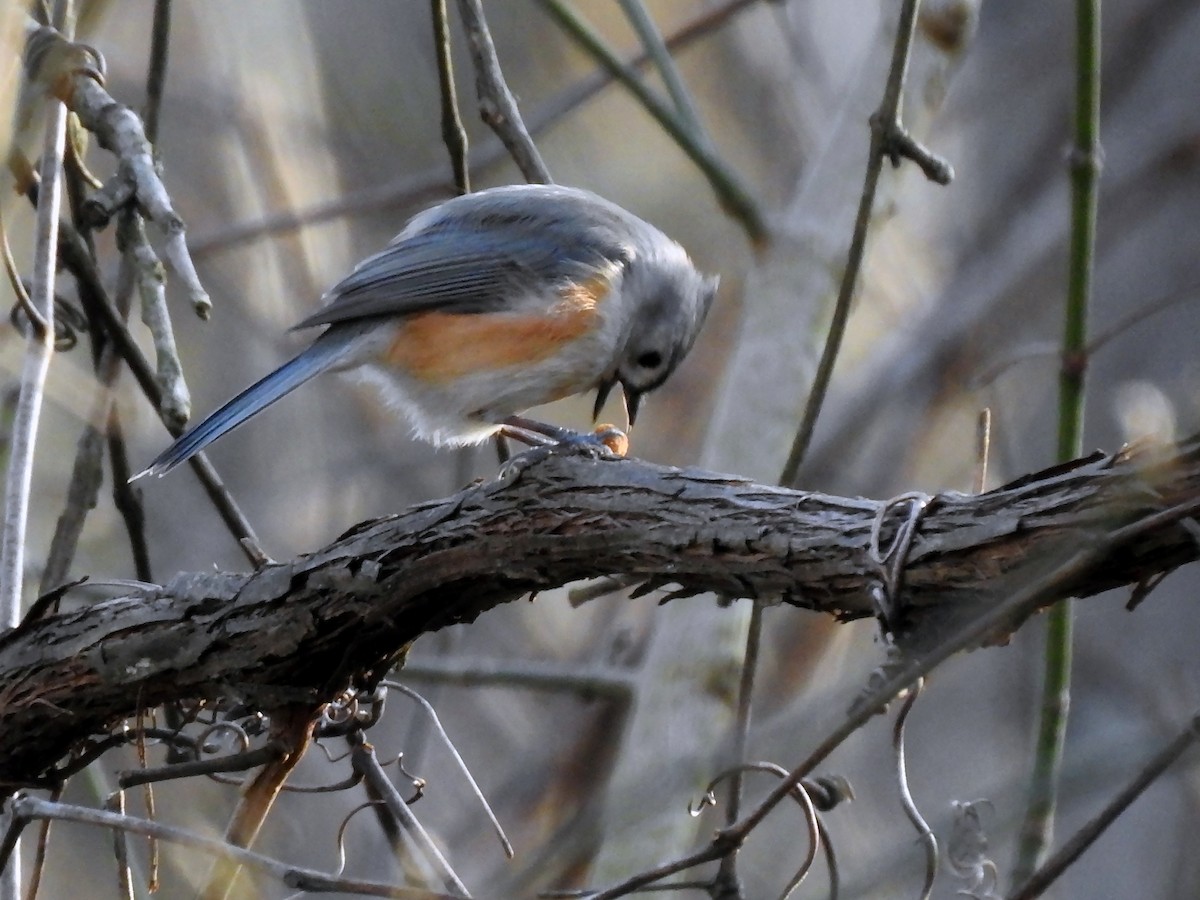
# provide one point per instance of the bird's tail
(321, 356)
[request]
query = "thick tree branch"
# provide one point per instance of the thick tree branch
(298, 631)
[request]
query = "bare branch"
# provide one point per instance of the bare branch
(39, 348)
(890, 140)
(364, 760)
(497, 105)
(119, 130)
(175, 404)
(25, 808)
(454, 135)
(298, 632)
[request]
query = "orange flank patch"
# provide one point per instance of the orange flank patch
(440, 347)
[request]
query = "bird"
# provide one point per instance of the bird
(490, 303)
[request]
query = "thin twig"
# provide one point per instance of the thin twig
(82, 492)
(128, 499)
(417, 729)
(95, 749)
(1050, 350)
(983, 449)
(1152, 308)
(227, 508)
(9, 396)
(741, 731)
(10, 845)
(497, 106)
(393, 834)
(39, 856)
(741, 740)
(453, 133)
(363, 759)
(1072, 849)
(156, 73)
(1037, 828)
(175, 402)
(147, 792)
(26, 808)
(725, 182)
(115, 804)
(234, 762)
(888, 140)
(458, 761)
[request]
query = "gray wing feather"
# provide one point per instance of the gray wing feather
(474, 253)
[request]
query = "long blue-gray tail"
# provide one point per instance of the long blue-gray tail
(321, 356)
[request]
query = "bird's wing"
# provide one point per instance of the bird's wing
(471, 264)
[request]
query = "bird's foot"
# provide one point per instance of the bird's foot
(605, 441)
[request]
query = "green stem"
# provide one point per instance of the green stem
(1038, 827)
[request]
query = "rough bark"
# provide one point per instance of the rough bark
(299, 631)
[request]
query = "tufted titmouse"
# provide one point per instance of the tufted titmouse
(490, 303)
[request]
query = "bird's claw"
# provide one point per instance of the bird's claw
(607, 442)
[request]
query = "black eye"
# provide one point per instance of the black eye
(651, 359)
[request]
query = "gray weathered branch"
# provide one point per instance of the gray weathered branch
(300, 631)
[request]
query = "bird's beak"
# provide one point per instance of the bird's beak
(633, 400)
(602, 391)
